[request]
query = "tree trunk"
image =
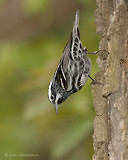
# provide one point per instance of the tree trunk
(111, 96)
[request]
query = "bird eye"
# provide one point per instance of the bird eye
(52, 97)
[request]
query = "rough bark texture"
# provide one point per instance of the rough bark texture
(111, 98)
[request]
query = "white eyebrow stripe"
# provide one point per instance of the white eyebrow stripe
(63, 72)
(49, 91)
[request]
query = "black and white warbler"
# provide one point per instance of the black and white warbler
(73, 69)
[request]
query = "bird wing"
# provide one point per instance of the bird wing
(68, 71)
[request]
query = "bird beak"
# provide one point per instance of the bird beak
(56, 107)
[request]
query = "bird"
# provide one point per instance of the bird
(73, 70)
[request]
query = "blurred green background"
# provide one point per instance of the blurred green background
(33, 34)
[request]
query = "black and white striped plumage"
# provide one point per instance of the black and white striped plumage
(72, 71)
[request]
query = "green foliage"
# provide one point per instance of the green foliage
(28, 123)
(71, 138)
(2, 2)
(33, 7)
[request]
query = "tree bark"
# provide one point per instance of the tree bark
(111, 96)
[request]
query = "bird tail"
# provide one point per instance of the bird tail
(76, 24)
